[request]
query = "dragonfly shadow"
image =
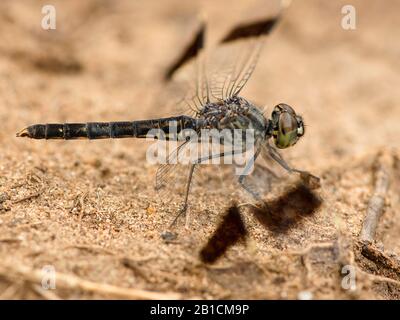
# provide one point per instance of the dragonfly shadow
(277, 216)
(289, 209)
(229, 232)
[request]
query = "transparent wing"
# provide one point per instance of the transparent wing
(185, 76)
(220, 72)
(172, 176)
(231, 67)
(236, 58)
(164, 171)
(216, 76)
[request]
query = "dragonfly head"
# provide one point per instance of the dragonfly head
(287, 127)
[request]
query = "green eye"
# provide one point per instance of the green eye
(286, 133)
(286, 140)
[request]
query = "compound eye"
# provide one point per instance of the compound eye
(287, 123)
(286, 134)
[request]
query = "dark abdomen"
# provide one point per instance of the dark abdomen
(107, 130)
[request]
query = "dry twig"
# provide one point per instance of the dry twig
(371, 252)
(377, 202)
(66, 281)
(376, 205)
(376, 278)
(29, 197)
(47, 294)
(10, 240)
(91, 249)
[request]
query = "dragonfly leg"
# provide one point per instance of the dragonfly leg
(305, 175)
(218, 155)
(245, 173)
(246, 170)
(185, 205)
(183, 209)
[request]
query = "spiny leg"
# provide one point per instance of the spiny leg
(190, 177)
(185, 203)
(245, 173)
(278, 158)
(305, 175)
(218, 155)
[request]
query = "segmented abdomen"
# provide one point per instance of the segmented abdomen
(107, 130)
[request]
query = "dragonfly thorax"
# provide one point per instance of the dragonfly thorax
(233, 113)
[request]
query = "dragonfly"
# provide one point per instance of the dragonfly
(216, 105)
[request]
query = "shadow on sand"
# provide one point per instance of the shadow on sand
(278, 216)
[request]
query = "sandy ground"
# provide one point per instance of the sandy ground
(89, 209)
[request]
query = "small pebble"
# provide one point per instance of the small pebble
(168, 236)
(3, 197)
